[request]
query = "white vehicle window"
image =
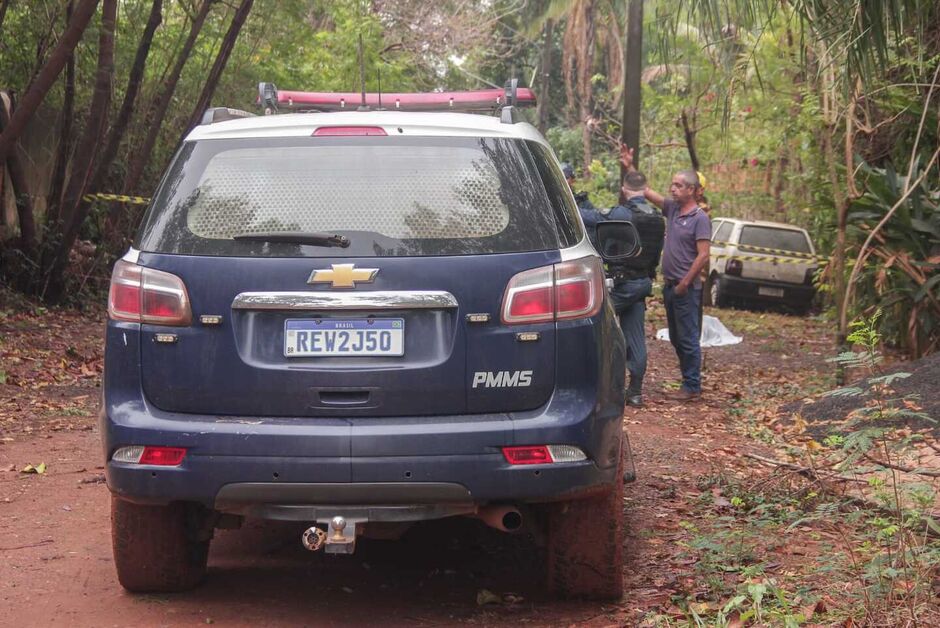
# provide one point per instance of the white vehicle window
(723, 232)
(774, 238)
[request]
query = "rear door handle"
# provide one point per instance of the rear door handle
(344, 398)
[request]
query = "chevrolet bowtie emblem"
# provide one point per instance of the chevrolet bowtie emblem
(343, 275)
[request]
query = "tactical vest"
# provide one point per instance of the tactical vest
(651, 226)
(581, 198)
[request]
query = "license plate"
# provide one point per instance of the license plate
(769, 292)
(344, 337)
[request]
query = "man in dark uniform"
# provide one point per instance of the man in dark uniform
(581, 198)
(633, 278)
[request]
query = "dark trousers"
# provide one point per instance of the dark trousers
(685, 332)
(629, 301)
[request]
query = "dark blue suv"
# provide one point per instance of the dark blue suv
(362, 320)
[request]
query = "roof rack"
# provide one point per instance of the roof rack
(221, 114)
(503, 101)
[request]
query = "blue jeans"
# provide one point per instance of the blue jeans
(629, 301)
(682, 313)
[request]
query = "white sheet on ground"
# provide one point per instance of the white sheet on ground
(714, 333)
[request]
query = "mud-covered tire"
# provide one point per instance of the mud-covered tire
(156, 548)
(707, 293)
(584, 556)
(716, 292)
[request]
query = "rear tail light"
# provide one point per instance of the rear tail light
(157, 456)
(563, 291)
(579, 288)
(145, 295)
(543, 454)
(530, 297)
(734, 267)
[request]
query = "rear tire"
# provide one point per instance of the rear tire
(585, 546)
(156, 548)
(802, 309)
(716, 292)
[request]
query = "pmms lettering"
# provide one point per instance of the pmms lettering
(502, 379)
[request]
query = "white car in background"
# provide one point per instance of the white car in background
(759, 261)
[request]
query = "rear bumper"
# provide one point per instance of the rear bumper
(241, 482)
(237, 485)
(257, 465)
(795, 294)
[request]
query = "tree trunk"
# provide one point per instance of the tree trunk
(783, 162)
(54, 197)
(851, 192)
(585, 88)
(74, 210)
(689, 132)
(837, 269)
(47, 75)
(221, 59)
(4, 4)
(614, 42)
(545, 75)
(134, 81)
(157, 112)
(24, 208)
(42, 44)
(632, 88)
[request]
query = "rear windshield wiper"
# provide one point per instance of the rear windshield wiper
(295, 237)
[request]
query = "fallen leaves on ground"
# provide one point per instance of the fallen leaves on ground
(38, 469)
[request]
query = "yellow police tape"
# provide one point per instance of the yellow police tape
(774, 260)
(135, 200)
(764, 249)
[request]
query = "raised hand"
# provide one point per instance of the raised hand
(626, 157)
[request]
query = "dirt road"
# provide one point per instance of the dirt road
(55, 554)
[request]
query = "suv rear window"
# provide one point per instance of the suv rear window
(390, 196)
(772, 238)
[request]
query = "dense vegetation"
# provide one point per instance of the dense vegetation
(819, 112)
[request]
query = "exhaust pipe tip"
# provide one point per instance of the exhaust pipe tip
(512, 520)
(503, 518)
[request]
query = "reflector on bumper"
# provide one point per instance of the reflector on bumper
(158, 456)
(543, 454)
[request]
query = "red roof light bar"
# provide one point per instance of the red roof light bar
(485, 100)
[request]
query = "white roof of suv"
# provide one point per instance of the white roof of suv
(393, 122)
(761, 223)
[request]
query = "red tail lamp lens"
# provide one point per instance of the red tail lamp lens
(533, 454)
(163, 456)
(535, 302)
(574, 296)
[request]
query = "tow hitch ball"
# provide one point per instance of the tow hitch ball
(339, 537)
